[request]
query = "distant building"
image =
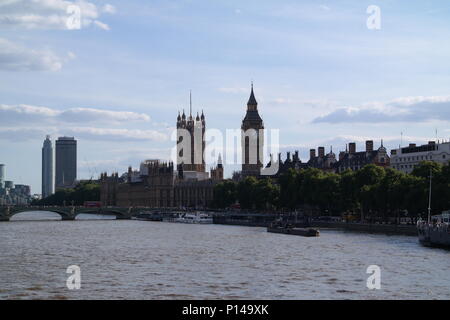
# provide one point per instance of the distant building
(407, 158)
(2, 176)
(23, 190)
(217, 172)
(9, 184)
(326, 162)
(47, 168)
(66, 162)
(191, 145)
(353, 160)
(252, 139)
(162, 184)
(283, 166)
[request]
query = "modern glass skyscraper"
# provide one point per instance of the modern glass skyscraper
(66, 162)
(47, 168)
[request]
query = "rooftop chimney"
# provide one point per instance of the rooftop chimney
(321, 151)
(312, 153)
(369, 145)
(412, 145)
(352, 147)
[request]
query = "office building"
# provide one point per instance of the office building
(407, 158)
(66, 162)
(47, 168)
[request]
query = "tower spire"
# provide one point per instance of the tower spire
(252, 103)
(190, 103)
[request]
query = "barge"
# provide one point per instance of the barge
(305, 232)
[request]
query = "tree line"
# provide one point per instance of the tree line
(372, 192)
(84, 191)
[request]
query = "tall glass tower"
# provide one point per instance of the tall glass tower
(66, 162)
(47, 168)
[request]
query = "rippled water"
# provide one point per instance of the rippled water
(130, 259)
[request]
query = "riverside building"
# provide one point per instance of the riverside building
(407, 158)
(165, 184)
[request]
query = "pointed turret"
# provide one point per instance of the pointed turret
(219, 161)
(252, 104)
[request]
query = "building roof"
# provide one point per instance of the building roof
(252, 116)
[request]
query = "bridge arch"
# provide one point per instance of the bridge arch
(66, 213)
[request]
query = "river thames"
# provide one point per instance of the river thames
(129, 259)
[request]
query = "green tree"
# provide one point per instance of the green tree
(246, 192)
(289, 189)
(225, 194)
(266, 194)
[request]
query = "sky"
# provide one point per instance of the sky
(322, 76)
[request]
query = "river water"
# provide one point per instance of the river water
(128, 259)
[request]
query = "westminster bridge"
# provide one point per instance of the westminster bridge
(70, 212)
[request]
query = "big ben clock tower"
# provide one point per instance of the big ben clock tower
(252, 139)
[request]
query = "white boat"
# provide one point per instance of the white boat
(191, 217)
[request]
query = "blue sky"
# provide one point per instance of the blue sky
(320, 75)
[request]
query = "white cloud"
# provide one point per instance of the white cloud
(14, 57)
(17, 134)
(49, 14)
(108, 8)
(233, 90)
(101, 25)
(71, 55)
(30, 114)
(115, 134)
(409, 109)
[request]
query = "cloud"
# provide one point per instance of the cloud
(233, 90)
(14, 57)
(50, 14)
(30, 114)
(101, 25)
(410, 109)
(87, 133)
(109, 9)
(115, 134)
(22, 134)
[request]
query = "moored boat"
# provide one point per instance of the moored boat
(148, 216)
(191, 217)
(287, 229)
(436, 232)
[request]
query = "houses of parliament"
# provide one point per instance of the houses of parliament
(187, 183)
